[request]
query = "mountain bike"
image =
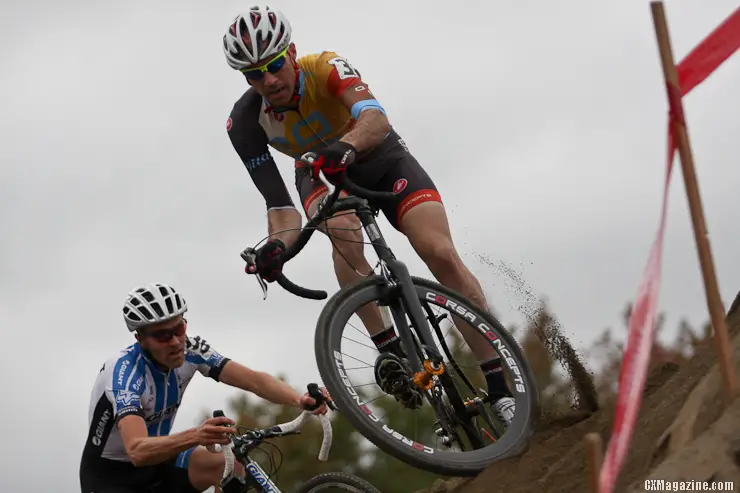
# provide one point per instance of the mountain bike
(256, 478)
(409, 303)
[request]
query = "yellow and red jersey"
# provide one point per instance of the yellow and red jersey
(321, 117)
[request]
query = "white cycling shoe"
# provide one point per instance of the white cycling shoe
(504, 409)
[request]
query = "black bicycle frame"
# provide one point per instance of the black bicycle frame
(399, 292)
(258, 479)
(399, 284)
(400, 280)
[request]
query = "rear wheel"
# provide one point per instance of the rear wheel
(337, 481)
(461, 421)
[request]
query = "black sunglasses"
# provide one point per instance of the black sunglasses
(165, 335)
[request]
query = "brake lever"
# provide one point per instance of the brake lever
(309, 158)
(249, 255)
(329, 186)
(325, 199)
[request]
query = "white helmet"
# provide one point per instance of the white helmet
(152, 303)
(259, 32)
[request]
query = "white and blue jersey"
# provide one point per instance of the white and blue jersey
(130, 383)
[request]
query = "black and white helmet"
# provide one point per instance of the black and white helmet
(257, 33)
(152, 303)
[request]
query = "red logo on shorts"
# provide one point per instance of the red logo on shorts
(400, 185)
(228, 124)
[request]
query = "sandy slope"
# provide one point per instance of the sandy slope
(685, 431)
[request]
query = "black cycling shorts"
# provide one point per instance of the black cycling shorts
(390, 167)
(123, 477)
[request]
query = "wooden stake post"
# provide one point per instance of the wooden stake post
(593, 442)
(680, 134)
(594, 458)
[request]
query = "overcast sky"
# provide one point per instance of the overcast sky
(543, 125)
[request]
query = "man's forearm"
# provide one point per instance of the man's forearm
(155, 450)
(274, 390)
(280, 220)
(371, 128)
(260, 383)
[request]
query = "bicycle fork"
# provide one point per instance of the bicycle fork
(415, 311)
(429, 363)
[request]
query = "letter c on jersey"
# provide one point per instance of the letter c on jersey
(323, 129)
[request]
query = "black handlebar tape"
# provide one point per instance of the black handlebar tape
(291, 287)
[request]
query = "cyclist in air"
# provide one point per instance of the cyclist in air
(136, 395)
(320, 103)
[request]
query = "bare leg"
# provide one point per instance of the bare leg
(205, 469)
(428, 231)
(348, 256)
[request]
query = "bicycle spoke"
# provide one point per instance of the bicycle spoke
(361, 332)
(356, 359)
(359, 343)
(456, 394)
(378, 397)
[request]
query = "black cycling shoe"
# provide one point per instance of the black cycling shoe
(393, 378)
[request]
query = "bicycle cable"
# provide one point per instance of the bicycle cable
(372, 270)
(274, 466)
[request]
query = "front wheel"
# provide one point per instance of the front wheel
(336, 481)
(459, 420)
